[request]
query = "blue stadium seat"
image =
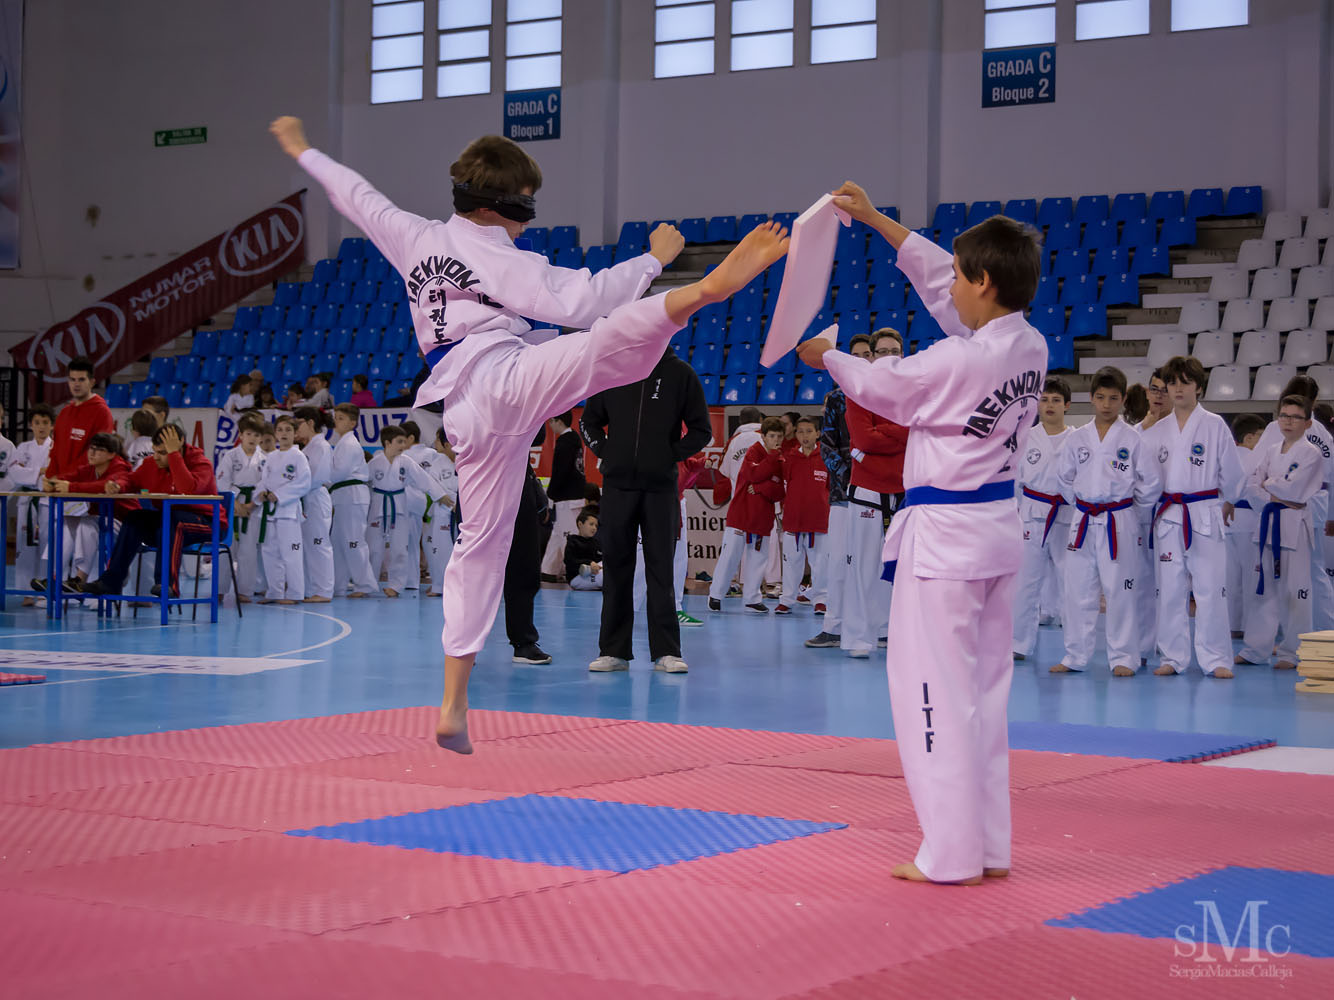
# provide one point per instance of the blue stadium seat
(402, 314)
(773, 278)
(571, 257)
(352, 248)
(174, 393)
(187, 367)
(1022, 210)
(1139, 233)
(214, 369)
(695, 230)
(247, 318)
(353, 315)
(710, 330)
(883, 270)
(1099, 234)
(950, 215)
(339, 340)
(946, 237)
(777, 390)
(341, 389)
(633, 234)
(400, 337)
(117, 394)
(240, 365)
(365, 291)
(205, 343)
(379, 389)
(745, 328)
(599, 258)
(711, 389)
(815, 385)
(538, 237)
(140, 391)
(721, 229)
(738, 390)
(311, 341)
(853, 323)
(272, 317)
(219, 396)
(1060, 353)
(351, 271)
(680, 343)
(1120, 290)
(257, 342)
(1070, 262)
(851, 243)
(380, 315)
(707, 358)
(383, 366)
(338, 291)
(379, 269)
(742, 357)
(1049, 291)
(563, 237)
(1048, 320)
(748, 301)
(295, 370)
(312, 293)
(195, 394)
(1062, 236)
(1055, 211)
(1088, 321)
(1167, 205)
(1110, 260)
(325, 271)
(887, 295)
(1205, 203)
(1154, 260)
(288, 293)
(895, 319)
(661, 222)
(981, 211)
(1078, 290)
(914, 302)
(750, 221)
(298, 317)
(923, 328)
(1126, 207)
(1178, 232)
(786, 218)
(367, 340)
(1092, 208)
(284, 342)
(408, 367)
(355, 364)
(270, 364)
(326, 361)
(853, 298)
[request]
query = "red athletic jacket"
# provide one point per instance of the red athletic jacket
(86, 479)
(883, 443)
(759, 485)
(76, 424)
(806, 508)
(188, 472)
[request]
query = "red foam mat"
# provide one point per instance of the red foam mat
(43, 770)
(420, 720)
(248, 746)
(687, 745)
(8, 678)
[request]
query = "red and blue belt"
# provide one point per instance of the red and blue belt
(1093, 510)
(1056, 502)
(1185, 500)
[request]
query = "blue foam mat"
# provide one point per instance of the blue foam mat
(1142, 744)
(574, 833)
(1260, 914)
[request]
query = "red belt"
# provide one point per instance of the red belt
(1185, 499)
(1055, 501)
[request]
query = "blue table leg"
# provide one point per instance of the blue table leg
(55, 558)
(217, 568)
(4, 547)
(164, 561)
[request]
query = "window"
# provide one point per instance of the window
(532, 44)
(761, 34)
(397, 43)
(1020, 22)
(683, 33)
(1111, 18)
(464, 47)
(1190, 15)
(842, 30)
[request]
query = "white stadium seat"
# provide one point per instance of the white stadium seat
(1258, 347)
(1211, 349)
(1281, 226)
(1229, 282)
(1324, 378)
(1255, 254)
(1306, 347)
(1324, 314)
(1328, 258)
(1229, 382)
(1319, 224)
(1198, 315)
(1165, 346)
(1270, 380)
(1270, 283)
(1314, 282)
(1288, 314)
(1299, 253)
(1136, 371)
(1241, 315)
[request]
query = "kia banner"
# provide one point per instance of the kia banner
(139, 318)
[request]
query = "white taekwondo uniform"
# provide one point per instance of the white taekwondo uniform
(240, 473)
(405, 531)
(734, 543)
(351, 506)
(1046, 516)
(968, 402)
(25, 473)
(285, 474)
(1240, 535)
(317, 527)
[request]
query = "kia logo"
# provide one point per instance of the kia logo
(94, 333)
(261, 242)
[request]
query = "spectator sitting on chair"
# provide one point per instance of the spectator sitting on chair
(361, 394)
(176, 468)
(296, 397)
(317, 391)
(264, 399)
(404, 397)
(583, 554)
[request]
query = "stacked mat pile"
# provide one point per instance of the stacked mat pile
(1315, 662)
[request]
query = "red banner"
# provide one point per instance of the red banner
(139, 318)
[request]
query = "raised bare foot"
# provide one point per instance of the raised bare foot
(995, 873)
(451, 732)
(909, 872)
(1223, 673)
(1059, 668)
(762, 246)
(1285, 665)
(1164, 670)
(1122, 671)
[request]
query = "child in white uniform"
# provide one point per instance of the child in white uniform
(1045, 512)
(416, 501)
(1200, 471)
(387, 506)
(351, 506)
(317, 505)
(468, 289)
(25, 473)
(284, 480)
(239, 471)
(420, 491)
(1106, 477)
(1281, 486)
(1240, 522)
(438, 537)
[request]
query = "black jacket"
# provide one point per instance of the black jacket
(567, 469)
(636, 429)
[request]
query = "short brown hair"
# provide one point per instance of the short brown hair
(113, 443)
(1137, 404)
(1301, 402)
(1056, 386)
(1184, 369)
(1108, 377)
(1007, 252)
(882, 333)
(286, 418)
(143, 423)
(496, 164)
(349, 410)
(585, 513)
(861, 338)
(158, 403)
(1302, 385)
(252, 422)
(390, 432)
(771, 424)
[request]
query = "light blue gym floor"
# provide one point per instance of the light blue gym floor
(745, 671)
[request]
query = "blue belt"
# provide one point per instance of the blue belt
(1269, 525)
(1242, 505)
(920, 496)
(438, 355)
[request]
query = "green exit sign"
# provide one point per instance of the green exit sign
(180, 136)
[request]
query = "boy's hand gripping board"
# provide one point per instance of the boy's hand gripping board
(810, 259)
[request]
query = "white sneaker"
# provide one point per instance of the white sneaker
(671, 665)
(861, 653)
(608, 664)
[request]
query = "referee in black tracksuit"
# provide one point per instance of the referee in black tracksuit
(636, 432)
